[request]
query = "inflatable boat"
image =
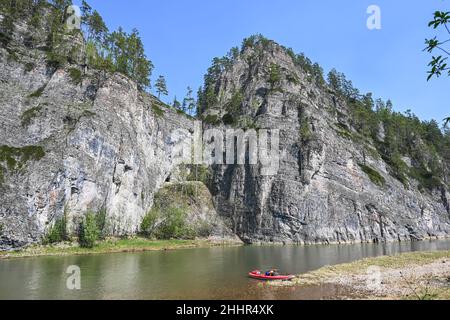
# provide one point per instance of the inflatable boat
(257, 274)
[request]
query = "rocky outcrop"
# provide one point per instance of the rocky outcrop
(321, 193)
(105, 147)
(74, 140)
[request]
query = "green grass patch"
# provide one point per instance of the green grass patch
(157, 111)
(16, 158)
(110, 246)
(360, 266)
(75, 75)
(374, 175)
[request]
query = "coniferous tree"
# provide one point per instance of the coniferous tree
(189, 104)
(176, 104)
(161, 86)
(126, 52)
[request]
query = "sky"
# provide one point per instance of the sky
(181, 37)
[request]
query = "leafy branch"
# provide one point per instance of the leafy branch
(438, 64)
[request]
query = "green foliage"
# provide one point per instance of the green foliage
(229, 119)
(75, 75)
(38, 92)
(374, 175)
(427, 179)
(189, 104)
(100, 221)
(176, 104)
(207, 95)
(161, 86)
(438, 62)
(12, 11)
(446, 121)
(157, 110)
(211, 119)
(395, 135)
(342, 86)
(235, 104)
(55, 59)
(126, 51)
(174, 225)
(167, 223)
(398, 168)
(58, 232)
(16, 158)
(88, 231)
(274, 75)
(148, 224)
(29, 115)
(313, 70)
(96, 29)
(200, 173)
(2, 175)
(305, 131)
(112, 52)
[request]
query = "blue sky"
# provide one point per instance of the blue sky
(182, 36)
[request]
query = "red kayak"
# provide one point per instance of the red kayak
(261, 276)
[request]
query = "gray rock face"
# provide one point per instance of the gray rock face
(105, 147)
(67, 147)
(320, 194)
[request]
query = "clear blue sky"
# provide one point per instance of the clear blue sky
(182, 36)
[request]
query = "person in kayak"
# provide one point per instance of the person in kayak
(272, 273)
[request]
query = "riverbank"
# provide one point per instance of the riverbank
(417, 275)
(113, 246)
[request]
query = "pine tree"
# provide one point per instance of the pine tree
(161, 86)
(189, 105)
(126, 52)
(176, 104)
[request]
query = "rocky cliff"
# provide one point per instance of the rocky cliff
(332, 185)
(74, 141)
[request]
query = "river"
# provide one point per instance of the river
(210, 273)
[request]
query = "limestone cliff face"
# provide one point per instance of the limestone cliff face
(105, 147)
(71, 142)
(320, 194)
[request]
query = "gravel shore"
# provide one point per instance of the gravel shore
(419, 276)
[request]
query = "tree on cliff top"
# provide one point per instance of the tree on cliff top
(161, 86)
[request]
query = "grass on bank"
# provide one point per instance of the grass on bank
(417, 288)
(109, 246)
(360, 267)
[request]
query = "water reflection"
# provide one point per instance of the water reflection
(214, 273)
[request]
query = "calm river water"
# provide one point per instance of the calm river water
(211, 273)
